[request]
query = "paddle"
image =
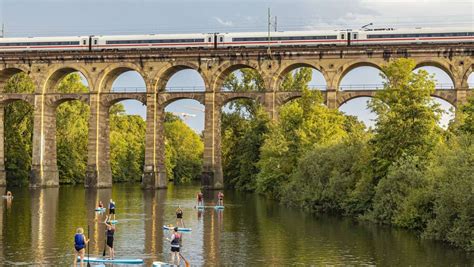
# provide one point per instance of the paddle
(105, 244)
(88, 245)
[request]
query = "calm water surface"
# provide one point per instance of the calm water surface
(38, 226)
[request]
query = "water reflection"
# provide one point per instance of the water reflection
(39, 227)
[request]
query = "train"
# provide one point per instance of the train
(384, 36)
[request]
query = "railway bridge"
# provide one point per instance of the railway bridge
(101, 68)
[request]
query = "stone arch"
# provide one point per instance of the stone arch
(232, 97)
(288, 98)
(345, 69)
(166, 73)
(110, 99)
(111, 73)
(56, 74)
(7, 73)
(348, 96)
(167, 99)
(437, 64)
(59, 99)
(445, 95)
(227, 68)
(281, 73)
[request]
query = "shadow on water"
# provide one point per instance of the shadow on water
(38, 226)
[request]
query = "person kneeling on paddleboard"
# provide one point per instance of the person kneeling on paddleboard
(111, 208)
(175, 246)
(80, 242)
(200, 199)
(9, 194)
(110, 237)
(101, 205)
(220, 199)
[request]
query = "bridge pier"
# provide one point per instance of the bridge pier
(154, 171)
(212, 176)
(44, 169)
(98, 173)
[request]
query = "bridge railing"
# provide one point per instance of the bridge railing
(183, 89)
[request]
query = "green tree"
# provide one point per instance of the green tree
(71, 132)
(18, 131)
(184, 151)
(407, 117)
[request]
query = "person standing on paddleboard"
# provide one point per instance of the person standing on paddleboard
(200, 199)
(101, 205)
(9, 194)
(220, 199)
(111, 209)
(179, 217)
(175, 246)
(80, 242)
(110, 237)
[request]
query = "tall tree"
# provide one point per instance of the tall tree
(407, 116)
(18, 131)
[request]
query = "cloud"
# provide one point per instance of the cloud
(223, 22)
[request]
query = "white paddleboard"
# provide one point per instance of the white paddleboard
(162, 264)
(104, 260)
(180, 229)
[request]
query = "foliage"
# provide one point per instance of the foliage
(71, 132)
(304, 124)
(407, 117)
(18, 131)
(184, 151)
(127, 145)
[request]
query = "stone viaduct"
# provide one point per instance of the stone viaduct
(101, 68)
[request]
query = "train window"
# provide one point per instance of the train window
(411, 35)
(355, 36)
(84, 42)
(221, 39)
(342, 36)
(209, 39)
(95, 41)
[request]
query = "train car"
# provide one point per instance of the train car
(44, 44)
(152, 41)
(411, 36)
(293, 38)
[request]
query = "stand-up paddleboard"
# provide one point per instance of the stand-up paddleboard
(162, 264)
(180, 229)
(102, 260)
(219, 207)
(113, 221)
(8, 197)
(200, 207)
(100, 209)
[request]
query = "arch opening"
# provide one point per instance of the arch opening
(358, 108)
(448, 112)
(184, 146)
(62, 80)
(72, 127)
(126, 80)
(362, 77)
(18, 129)
(127, 142)
(301, 76)
(242, 78)
(441, 77)
(470, 80)
(184, 80)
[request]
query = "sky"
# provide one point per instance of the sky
(87, 17)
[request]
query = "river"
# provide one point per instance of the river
(38, 226)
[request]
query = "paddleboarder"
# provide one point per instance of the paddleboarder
(179, 217)
(80, 242)
(175, 246)
(200, 199)
(101, 205)
(110, 237)
(111, 209)
(9, 194)
(220, 199)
